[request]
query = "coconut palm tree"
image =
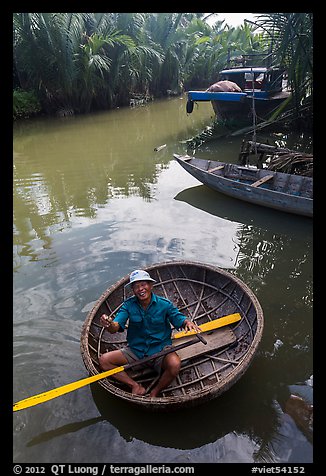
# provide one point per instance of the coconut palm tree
(292, 36)
(167, 31)
(68, 68)
(44, 46)
(211, 47)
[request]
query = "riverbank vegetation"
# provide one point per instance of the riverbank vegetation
(74, 63)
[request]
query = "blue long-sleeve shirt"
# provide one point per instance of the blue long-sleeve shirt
(149, 331)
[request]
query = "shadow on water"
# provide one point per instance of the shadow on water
(270, 244)
(189, 427)
(240, 411)
(229, 208)
(258, 414)
(63, 430)
(183, 429)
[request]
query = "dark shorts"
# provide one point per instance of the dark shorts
(155, 364)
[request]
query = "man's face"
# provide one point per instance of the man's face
(142, 290)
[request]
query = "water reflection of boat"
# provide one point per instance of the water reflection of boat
(229, 208)
(285, 192)
(221, 418)
(224, 425)
(202, 293)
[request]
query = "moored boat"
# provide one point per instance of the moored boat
(285, 192)
(261, 90)
(202, 293)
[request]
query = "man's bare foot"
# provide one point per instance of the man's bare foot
(153, 393)
(138, 390)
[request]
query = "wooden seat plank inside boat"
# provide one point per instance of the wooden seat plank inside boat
(262, 180)
(215, 340)
(220, 167)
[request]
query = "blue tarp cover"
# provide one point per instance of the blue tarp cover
(208, 96)
(230, 97)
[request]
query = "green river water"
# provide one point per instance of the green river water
(92, 202)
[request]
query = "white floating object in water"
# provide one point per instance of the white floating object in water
(160, 147)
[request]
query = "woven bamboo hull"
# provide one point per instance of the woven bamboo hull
(203, 293)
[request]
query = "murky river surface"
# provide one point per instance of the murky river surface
(92, 202)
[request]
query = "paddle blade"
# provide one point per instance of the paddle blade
(211, 325)
(57, 392)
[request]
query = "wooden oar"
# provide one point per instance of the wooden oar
(211, 325)
(57, 392)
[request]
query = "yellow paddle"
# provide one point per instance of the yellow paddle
(211, 325)
(70, 387)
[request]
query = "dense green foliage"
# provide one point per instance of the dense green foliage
(291, 37)
(81, 62)
(25, 104)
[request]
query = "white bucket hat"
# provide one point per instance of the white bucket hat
(139, 275)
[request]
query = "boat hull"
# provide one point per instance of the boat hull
(240, 187)
(202, 293)
(242, 111)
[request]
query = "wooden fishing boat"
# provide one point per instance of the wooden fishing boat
(263, 89)
(202, 293)
(286, 192)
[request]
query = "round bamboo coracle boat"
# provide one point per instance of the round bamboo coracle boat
(203, 293)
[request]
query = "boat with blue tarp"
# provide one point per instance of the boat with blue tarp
(258, 91)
